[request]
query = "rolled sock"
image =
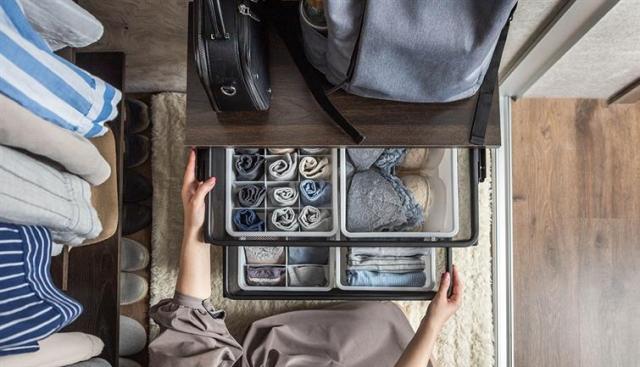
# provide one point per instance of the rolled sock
(283, 219)
(283, 196)
(307, 276)
(381, 279)
(314, 150)
(314, 219)
(311, 167)
(281, 150)
(266, 275)
(315, 193)
(309, 255)
(247, 151)
(284, 169)
(247, 220)
(249, 167)
(251, 196)
(264, 255)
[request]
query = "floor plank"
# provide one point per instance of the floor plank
(576, 197)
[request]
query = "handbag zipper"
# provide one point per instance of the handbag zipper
(255, 96)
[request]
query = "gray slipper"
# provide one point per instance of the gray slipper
(126, 362)
(133, 255)
(133, 288)
(133, 337)
(93, 362)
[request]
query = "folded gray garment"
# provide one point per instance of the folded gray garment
(34, 193)
(283, 219)
(284, 169)
(249, 167)
(62, 23)
(264, 255)
(314, 219)
(20, 128)
(247, 150)
(251, 196)
(389, 251)
(281, 150)
(314, 150)
(385, 159)
(309, 255)
(307, 276)
(378, 202)
(311, 167)
(283, 196)
(266, 275)
(388, 264)
(315, 193)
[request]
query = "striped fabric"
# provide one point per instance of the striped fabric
(47, 85)
(31, 307)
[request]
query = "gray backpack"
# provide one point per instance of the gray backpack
(409, 50)
(422, 51)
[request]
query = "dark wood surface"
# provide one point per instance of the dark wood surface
(295, 118)
(576, 208)
(94, 270)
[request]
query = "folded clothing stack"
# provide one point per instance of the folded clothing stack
(388, 266)
(297, 267)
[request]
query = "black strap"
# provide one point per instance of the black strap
(487, 89)
(286, 22)
(215, 13)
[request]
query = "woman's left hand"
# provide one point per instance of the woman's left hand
(193, 195)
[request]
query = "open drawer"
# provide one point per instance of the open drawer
(220, 230)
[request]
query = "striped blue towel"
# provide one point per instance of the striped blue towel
(46, 84)
(31, 307)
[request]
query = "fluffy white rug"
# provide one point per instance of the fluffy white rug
(467, 339)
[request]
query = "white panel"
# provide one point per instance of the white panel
(530, 17)
(602, 62)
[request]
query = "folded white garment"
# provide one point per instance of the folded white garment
(62, 23)
(59, 349)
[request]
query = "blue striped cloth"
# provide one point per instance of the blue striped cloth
(31, 307)
(46, 84)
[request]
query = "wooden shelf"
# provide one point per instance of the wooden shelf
(295, 118)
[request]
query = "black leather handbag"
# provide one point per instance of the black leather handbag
(230, 47)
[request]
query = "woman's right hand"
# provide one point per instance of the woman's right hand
(444, 306)
(193, 194)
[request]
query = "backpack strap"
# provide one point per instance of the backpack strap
(487, 89)
(286, 23)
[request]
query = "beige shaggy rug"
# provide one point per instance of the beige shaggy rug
(467, 339)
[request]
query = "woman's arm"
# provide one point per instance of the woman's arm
(194, 277)
(419, 350)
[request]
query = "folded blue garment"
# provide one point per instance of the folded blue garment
(247, 220)
(367, 278)
(46, 84)
(31, 307)
(309, 255)
(315, 193)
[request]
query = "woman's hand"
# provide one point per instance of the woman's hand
(443, 306)
(193, 194)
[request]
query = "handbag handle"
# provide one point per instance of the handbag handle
(215, 12)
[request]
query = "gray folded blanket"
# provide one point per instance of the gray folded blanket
(307, 276)
(251, 196)
(283, 196)
(314, 219)
(378, 202)
(283, 169)
(266, 275)
(249, 167)
(315, 168)
(264, 255)
(283, 219)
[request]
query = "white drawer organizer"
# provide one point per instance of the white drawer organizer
(442, 221)
(232, 187)
(336, 274)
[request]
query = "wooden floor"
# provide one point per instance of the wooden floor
(576, 208)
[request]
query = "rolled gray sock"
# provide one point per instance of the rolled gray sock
(283, 169)
(313, 219)
(251, 196)
(283, 196)
(249, 167)
(283, 219)
(315, 168)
